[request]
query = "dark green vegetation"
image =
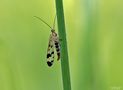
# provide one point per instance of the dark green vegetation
(64, 50)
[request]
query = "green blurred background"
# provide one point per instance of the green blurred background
(95, 45)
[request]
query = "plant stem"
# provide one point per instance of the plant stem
(64, 51)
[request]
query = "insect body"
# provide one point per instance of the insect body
(53, 43)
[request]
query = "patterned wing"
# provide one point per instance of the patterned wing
(50, 52)
(57, 46)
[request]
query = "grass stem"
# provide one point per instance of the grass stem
(64, 50)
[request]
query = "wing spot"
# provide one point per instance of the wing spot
(52, 52)
(56, 44)
(57, 49)
(52, 61)
(51, 46)
(48, 55)
(49, 63)
(58, 56)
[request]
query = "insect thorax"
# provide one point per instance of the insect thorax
(54, 37)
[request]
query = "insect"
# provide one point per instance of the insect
(53, 43)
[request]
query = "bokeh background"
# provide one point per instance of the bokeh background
(95, 44)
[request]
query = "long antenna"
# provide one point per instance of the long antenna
(43, 21)
(54, 22)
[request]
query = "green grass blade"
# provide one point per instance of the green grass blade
(64, 51)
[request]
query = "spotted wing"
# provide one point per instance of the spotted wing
(57, 46)
(50, 52)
